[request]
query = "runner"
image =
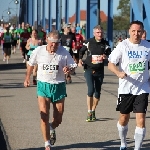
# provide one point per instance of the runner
(41, 34)
(53, 62)
(76, 45)
(24, 36)
(7, 45)
(97, 49)
(33, 43)
(67, 39)
(133, 55)
(14, 40)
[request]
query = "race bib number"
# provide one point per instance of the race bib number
(50, 68)
(75, 51)
(137, 67)
(96, 59)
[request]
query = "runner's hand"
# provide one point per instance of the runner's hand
(122, 75)
(66, 70)
(80, 63)
(26, 83)
(104, 56)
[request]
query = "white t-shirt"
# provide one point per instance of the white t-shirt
(50, 66)
(133, 60)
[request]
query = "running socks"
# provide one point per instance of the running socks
(139, 136)
(47, 143)
(122, 134)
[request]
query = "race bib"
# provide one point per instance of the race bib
(50, 69)
(75, 51)
(96, 59)
(138, 67)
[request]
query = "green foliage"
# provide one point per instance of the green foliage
(13, 19)
(122, 21)
(104, 25)
(124, 7)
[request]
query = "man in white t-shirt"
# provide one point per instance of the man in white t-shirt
(54, 62)
(133, 55)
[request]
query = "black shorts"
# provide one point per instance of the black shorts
(28, 57)
(136, 103)
(76, 55)
(23, 47)
(14, 43)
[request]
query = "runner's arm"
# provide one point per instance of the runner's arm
(28, 44)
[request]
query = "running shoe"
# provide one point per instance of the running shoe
(93, 116)
(123, 148)
(47, 147)
(89, 117)
(52, 137)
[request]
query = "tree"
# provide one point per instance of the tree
(104, 25)
(124, 7)
(13, 20)
(122, 21)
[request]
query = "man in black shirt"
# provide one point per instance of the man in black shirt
(66, 41)
(97, 50)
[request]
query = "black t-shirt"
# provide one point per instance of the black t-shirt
(94, 49)
(66, 40)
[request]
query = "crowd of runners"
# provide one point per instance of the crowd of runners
(52, 58)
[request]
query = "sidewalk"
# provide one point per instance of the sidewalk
(20, 116)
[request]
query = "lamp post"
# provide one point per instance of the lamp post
(9, 13)
(3, 15)
(15, 2)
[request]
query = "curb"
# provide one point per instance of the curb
(5, 136)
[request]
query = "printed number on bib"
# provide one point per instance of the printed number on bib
(96, 59)
(50, 68)
(137, 67)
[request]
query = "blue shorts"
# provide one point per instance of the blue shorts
(54, 92)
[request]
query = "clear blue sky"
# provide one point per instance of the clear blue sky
(5, 3)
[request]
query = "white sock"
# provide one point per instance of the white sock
(89, 111)
(122, 134)
(47, 143)
(139, 136)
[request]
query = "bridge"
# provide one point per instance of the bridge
(139, 10)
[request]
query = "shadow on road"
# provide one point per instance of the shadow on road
(108, 145)
(12, 66)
